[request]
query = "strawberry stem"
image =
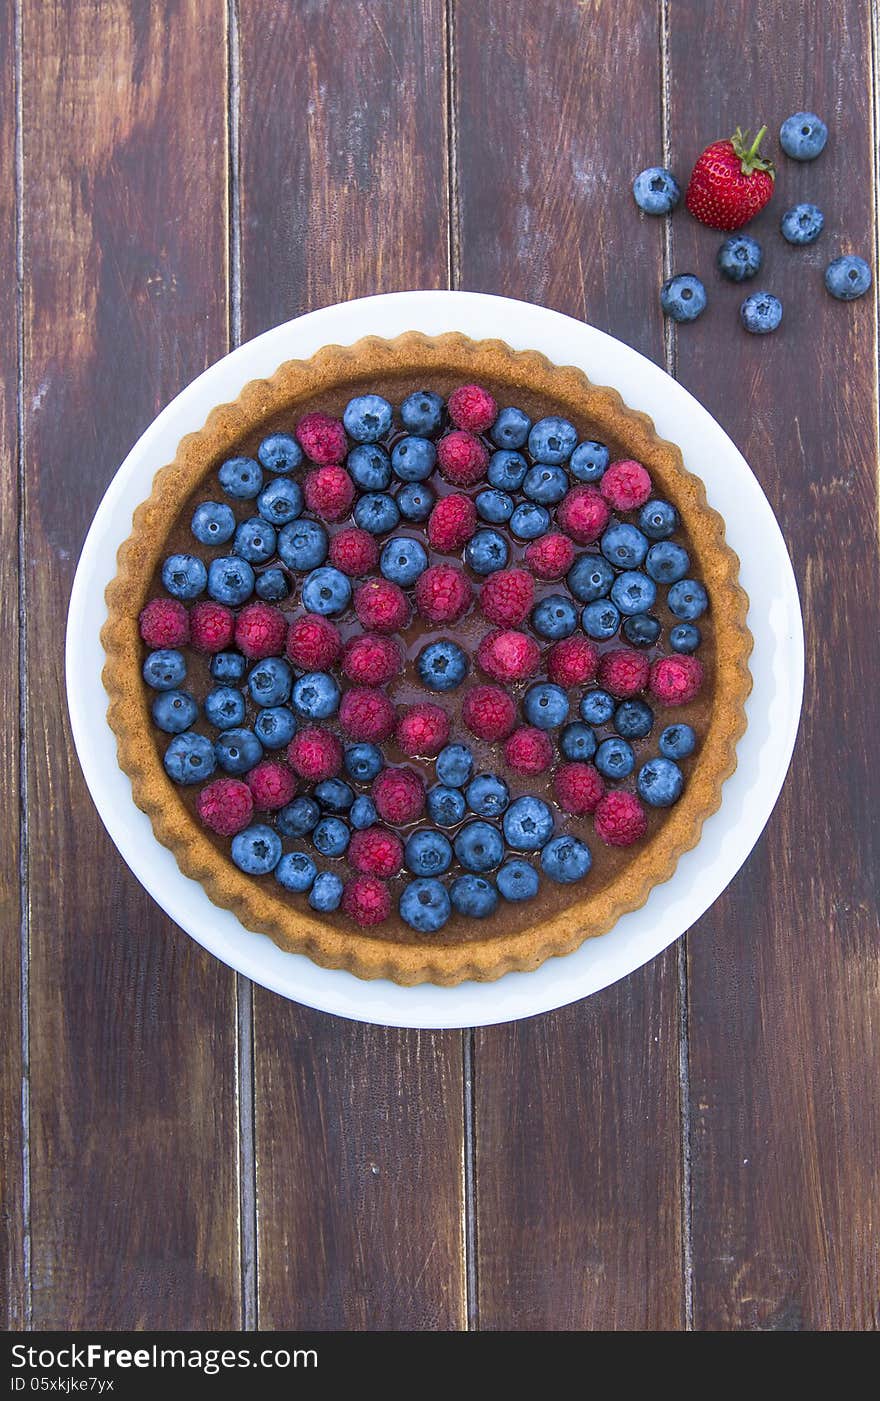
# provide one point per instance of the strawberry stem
(750, 158)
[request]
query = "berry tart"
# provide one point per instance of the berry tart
(427, 658)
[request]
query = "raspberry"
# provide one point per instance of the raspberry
(371, 660)
(376, 852)
(322, 438)
(451, 523)
(623, 672)
(315, 754)
(366, 714)
(443, 594)
(461, 457)
(473, 408)
(529, 750)
(550, 557)
(211, 627)
(582, 514)
(329, 492)
(260, 631)
(620, 819)
(572, 661)
(381, 605)
(226, 806)
(271, 784)
(577, 788)
(508, 655)
(313, 642)
(676, 680)
(366, 901)
(626, 485)
(488, 712)
(507, 596)
(399, 795)
(422, 730)
(354, 552)
(164, 623)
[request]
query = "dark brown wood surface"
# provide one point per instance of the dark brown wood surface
(695, 1147)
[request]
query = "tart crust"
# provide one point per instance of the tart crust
(257, 905)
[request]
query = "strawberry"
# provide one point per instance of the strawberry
(730, 182)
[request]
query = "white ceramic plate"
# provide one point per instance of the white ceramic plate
(764, 752)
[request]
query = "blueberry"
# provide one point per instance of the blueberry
(624, 545)
(272, 585)
(237, 751)
(165, 669)
(667, 562)
(413, 459)
(677, 741)
(298, 818)
(446, 806)
(174, 711)
(658, 519)
(230, 580)
(597, 707)
(803, 136)
(578, 742)
(331, 836)
(228, 666)
(376, 512)
(213, 523)
(688, 600)
(275, 726)
(296, 871)
(510, 429)
(527, 824)
(362, 813)
(494, 506)
(683, 298)
(614, 758)
(552, 440)
(224, 707)
(363, 762)
(369, 467)
(487, 795)
(326, 893)
(588, 461)
(326, 591)
(281, 501)
(590, 577)
(529, 521)
(184, 576)
(302, 545)
(427, 853)
(633, 719)
(270, 681)
(189, 759)
(656, 190)
(479, 846)
(256, 850)
(486, 551)
(425, 906)
(600, 620)
(422, 413)
(315, 696)
(555, 617)
(367, 418)
(566, 859)
(442, 666)
(415, 501)
(660, 782)
(545, 484)
(507, 470)
(473, 896)
(847, 277)
(334, 795)
(454, 765)
(633, 592)
(255, 538)
(241, 478)
(517, 880)
(761, 313)
(545, 706)
(642, 630)
(740, 257)
(279, 453)
(402, 560)
(685, 637)
(801, 224)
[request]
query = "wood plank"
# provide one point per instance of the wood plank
(359, 1134)
(784, 997)
(134, 1149)
(578, 1177)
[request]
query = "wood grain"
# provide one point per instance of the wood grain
(133, 1145)
(784, 995)
(358, 1129)
(578, 1176)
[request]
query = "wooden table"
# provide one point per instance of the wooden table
(696, 1147)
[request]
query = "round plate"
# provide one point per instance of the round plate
(764, 752)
